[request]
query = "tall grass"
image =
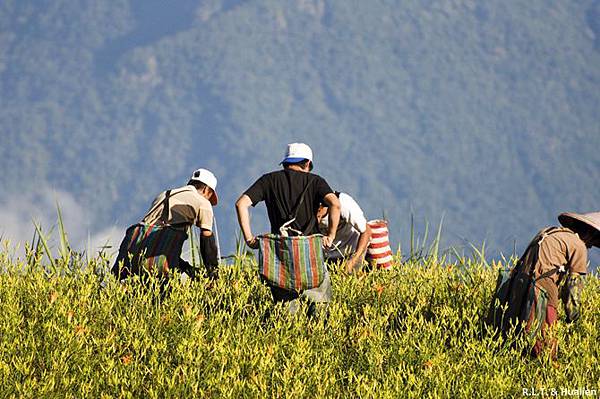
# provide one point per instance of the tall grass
(413, 332)
(420, 248)
(67, 329)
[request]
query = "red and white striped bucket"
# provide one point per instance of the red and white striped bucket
(379, 250)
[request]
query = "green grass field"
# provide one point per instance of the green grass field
(413, 332)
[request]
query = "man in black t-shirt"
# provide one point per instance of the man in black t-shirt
(281, 190)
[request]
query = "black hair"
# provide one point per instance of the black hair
(197, 184)
(301, 164)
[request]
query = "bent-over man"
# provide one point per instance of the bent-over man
(176, 209)
(352, 235)
(559, 260)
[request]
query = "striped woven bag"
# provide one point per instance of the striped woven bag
(379, 251)
(153, 248)
(159, 245)
(292, 263)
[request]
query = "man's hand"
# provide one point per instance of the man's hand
(353, 264)
(328, 240)
(252, 242)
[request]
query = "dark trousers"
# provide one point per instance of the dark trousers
(317, 298)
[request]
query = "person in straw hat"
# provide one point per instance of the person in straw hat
(559, 263)
(178, 209)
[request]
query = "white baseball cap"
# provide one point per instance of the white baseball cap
(207, 177)
(297, 152)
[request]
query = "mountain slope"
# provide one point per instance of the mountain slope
(484, 113)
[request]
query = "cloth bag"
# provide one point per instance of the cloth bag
(150, 248)
(294, 263)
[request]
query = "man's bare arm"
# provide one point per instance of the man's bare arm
(361, 248)
(242, 207)
(333, 203)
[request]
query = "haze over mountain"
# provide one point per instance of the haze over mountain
(484, 112)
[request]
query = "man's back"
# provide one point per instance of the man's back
(281, 191)
(352, 224)
(561, 248)
(186, 208)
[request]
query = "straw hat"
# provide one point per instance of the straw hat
(578, 222)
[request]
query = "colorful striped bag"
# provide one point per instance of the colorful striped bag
(292, 263)
(379, 251)
(154, 248)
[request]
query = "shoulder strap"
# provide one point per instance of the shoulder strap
(286, 227)
(155, 207)
(164, 217)
(539, 238)
(300, 201)
(548, 274)
(551, 230)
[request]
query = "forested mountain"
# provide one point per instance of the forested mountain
(485, 112)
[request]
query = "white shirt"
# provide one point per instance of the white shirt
(352, 224)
